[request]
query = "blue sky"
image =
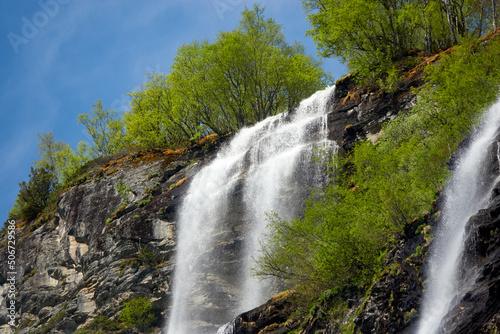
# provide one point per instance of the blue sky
(59, 56)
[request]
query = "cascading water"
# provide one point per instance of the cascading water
(465, 195)
(266, 168)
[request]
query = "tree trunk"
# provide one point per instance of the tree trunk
(494, 15)
(451, 21)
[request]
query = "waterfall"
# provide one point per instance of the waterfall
(267, 168)
(465, 195)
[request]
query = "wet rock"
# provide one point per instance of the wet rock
(480, 307)
(358, 112)
(272, 317)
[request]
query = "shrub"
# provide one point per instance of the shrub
(138, 313)
(148, 257)
(123, 190)
(102, 322)
(36, 195)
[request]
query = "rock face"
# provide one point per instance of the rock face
(271, 317)
(358, 113)
(112, 239)
(113, 236)
(392, 303)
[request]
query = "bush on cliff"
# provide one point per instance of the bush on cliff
(138, 313)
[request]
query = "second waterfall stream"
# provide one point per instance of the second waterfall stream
(267, 168)
(468, 192)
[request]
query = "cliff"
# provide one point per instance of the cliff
(102, 246)
(112, 240)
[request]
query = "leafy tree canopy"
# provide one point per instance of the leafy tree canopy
(244, 76)
(371, 33)
(105, 129)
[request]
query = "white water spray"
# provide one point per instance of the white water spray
(465, 195)
(270, 165)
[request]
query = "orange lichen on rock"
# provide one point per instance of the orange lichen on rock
(181, 181)
(173, 152)
(352, 96)
(208, 139)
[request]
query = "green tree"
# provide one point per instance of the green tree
(60, 159)
(244, 76)
(154, 118)
(69, 162)
(371, 33)
(48, 148)
(105, 129)
(192, 84)
(34, 195)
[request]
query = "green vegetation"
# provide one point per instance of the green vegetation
(373, 36)
(60, 158)
(100, 324)
(418, 251)
(24, 324)
(52, 323)
(149, 257)
(380, 187)
(145, 201)
(153, 175)
(123, 190)
(138, 313)
(35, 195)
(105, 128)
(145, 257)
(420, 228)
